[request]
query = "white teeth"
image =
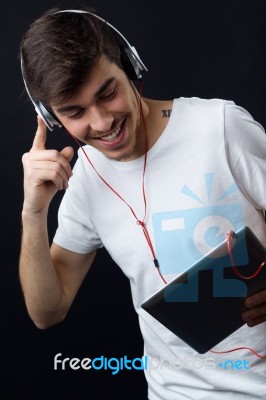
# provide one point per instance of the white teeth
(113, 135)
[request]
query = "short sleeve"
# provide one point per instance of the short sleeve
(245, 142)
(76, 231)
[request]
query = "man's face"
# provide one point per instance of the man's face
(105, 113)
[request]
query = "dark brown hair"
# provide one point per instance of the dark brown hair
(59, 50)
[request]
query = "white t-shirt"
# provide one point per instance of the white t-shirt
(206, 170)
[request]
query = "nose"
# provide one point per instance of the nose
(100, 119)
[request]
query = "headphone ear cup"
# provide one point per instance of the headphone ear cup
(49, 119)
(130, 66)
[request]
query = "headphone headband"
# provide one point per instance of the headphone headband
(132, 63)
(141, 66)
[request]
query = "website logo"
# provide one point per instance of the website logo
(148, 364)
(182, 237)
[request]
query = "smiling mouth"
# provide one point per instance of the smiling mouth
(113, 136)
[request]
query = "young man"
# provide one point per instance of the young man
(205, 163)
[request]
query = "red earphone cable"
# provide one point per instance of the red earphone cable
(239, 348)
(256, 273)
(139, 222)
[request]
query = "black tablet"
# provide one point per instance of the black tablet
(203, 305)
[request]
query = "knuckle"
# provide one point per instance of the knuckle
(57, 167)
(31, 176)
(54, 154)
(54, 175)
(24, 157)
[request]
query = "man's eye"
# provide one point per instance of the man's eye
(109, 95)
(76, 115)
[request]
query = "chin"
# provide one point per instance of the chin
(126, 155)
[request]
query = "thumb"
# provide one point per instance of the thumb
(68, 153)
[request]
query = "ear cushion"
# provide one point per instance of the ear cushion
(130, 66)
(49, 118)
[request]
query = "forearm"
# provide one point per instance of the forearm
(41, 286)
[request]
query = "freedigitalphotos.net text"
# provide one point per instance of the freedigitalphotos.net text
(146, 363)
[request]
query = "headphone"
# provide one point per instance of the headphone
(129, 57)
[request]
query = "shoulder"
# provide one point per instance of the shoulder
(233, 113)
(198, 102)
(198, 109)
(232, 116)
(242, 131)
(238, 117)
(199, 112)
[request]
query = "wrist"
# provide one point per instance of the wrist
(30, 214)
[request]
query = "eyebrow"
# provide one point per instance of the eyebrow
(100, 91)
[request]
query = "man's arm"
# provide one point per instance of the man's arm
(246, 150)
(50, 278)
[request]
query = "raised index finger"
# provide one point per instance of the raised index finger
(40, 136)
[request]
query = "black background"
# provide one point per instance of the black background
(201, 48)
